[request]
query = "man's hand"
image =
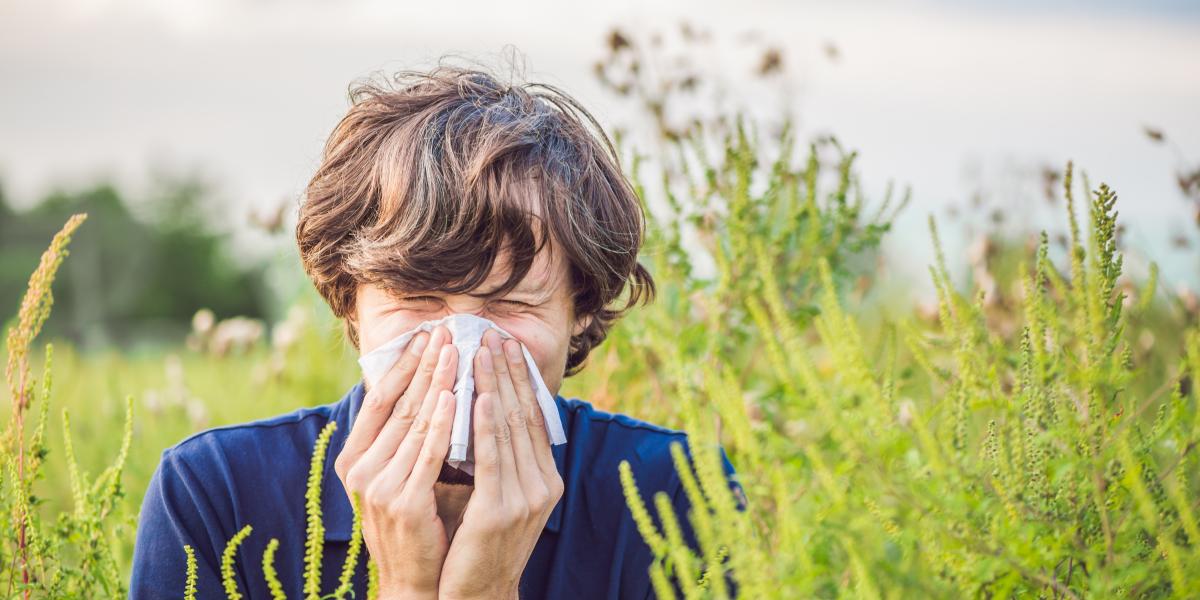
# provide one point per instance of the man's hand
(516, 481)
(392, 459)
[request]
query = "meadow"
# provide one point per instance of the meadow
(1032, 434)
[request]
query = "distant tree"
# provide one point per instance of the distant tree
(138, 272)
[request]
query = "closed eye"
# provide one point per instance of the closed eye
(516, 303)
(419, 299)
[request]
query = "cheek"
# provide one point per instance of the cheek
(374, 332)
(546, 344)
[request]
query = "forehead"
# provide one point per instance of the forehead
(546, 273)
(548, 270)
(480, 243)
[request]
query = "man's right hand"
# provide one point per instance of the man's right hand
(392, 459)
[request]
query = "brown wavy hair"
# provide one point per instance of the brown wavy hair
(429, 176)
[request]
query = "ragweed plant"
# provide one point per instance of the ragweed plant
(942, 461)
(729, 344)
(314, 542)
(75, 555)
(228, 580)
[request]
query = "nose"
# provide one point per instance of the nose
(463, 306)
(480, 312)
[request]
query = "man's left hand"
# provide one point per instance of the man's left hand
(517, 483)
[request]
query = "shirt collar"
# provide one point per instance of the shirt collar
(338, 515)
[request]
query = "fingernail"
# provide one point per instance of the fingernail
(444, 357)
(512, 350)
(418, 343)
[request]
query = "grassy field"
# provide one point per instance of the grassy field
(1033, 435)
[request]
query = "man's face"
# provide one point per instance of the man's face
(539, 312)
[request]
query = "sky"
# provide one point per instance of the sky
(947, 98)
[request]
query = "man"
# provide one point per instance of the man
(445, 192)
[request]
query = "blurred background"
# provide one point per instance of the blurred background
(188, 128)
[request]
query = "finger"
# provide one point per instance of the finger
(417, 389)
(485, 373)
(400, 466)
(409, 405)
(509, 410)
(527, 398)
(510, 483)
(525, 464)
(487, 453)
(437, 444)
(380, 401)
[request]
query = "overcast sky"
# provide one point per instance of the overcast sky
(944, 97)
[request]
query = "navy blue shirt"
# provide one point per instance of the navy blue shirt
(213, 483)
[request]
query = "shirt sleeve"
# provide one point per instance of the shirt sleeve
(176, 511)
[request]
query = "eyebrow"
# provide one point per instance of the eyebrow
(531, 283)
(528, 285)
(528, 289)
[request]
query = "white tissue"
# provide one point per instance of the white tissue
(466, 332)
